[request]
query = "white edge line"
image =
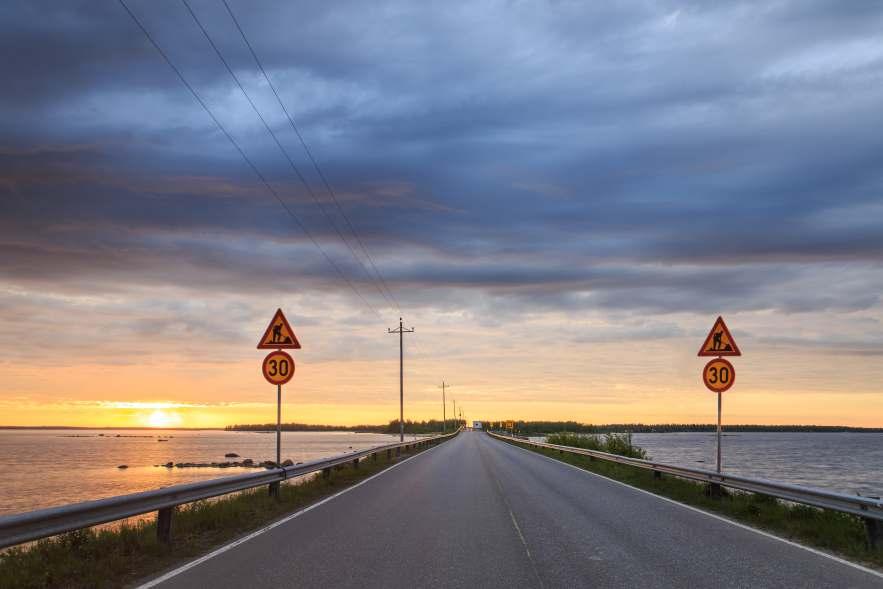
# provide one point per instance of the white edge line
(712, 515)
(286, 519)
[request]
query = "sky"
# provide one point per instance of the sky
(559, 197)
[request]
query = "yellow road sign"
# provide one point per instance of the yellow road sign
(279, 334)
(278, 367)
(718, 375)
(719, 341)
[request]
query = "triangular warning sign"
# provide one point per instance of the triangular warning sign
(279, 334)
(719, 341)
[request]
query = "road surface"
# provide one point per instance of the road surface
(477, 512)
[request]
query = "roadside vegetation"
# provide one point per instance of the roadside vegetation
(540, 428)
(116, 557)
(620, 444)
(832, 531)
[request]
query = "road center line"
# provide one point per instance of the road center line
(521, 537)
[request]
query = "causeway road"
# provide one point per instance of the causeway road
(477, 512)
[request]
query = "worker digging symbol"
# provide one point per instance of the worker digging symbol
(277, 335)
(718, 344)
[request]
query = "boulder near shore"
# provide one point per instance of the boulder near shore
(246, 463)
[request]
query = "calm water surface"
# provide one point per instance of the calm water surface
(43, 468)
(846, 462)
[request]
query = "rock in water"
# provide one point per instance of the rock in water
(288, 462)
(121, 466)
(231, 455)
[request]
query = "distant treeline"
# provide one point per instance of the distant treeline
(411, 427)
(548, 427)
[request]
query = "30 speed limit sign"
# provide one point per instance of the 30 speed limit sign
(278, 367)
(718, 375)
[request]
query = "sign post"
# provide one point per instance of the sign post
(278, 369)
(719, 375)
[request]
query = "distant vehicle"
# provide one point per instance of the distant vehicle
(476, 425)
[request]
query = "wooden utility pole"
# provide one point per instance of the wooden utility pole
(401, 331)
(444, 408)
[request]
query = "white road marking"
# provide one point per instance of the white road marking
(520, 535)
(712, 515)
(286, 519)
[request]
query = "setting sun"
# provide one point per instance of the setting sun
(160, 418)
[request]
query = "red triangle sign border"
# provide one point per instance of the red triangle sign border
(278, 316)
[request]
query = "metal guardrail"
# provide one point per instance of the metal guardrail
(869, 508)
(42, 523)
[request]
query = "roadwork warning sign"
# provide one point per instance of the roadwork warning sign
(279, 334)
(719, 341)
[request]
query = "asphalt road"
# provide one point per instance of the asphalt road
(476, 512)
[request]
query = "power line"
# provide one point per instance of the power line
(243, 155)
(310, 156)
(278, 143)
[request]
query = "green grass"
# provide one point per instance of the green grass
(611, 443)
(831, 531)
(115, 557)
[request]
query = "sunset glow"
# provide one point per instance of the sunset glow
(163, 419)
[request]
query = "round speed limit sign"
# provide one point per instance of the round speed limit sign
(718, 375)
(278, 367)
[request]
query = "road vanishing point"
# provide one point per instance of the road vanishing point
(478, 512)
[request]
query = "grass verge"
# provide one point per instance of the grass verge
(834, 532)
(117, 557)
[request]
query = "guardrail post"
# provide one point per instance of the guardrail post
(657, 474)
(356, 464)
(388, 454)
(273, 490)
(875, 532)
(714, 490)
(164, 525)
(398, 451)
(326, 473)
(374, 457)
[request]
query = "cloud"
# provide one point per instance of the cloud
(560, 158)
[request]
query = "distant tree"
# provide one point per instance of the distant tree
(538, 428)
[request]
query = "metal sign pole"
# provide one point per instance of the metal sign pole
(719, 395)
(278, 425)
(401, 382)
